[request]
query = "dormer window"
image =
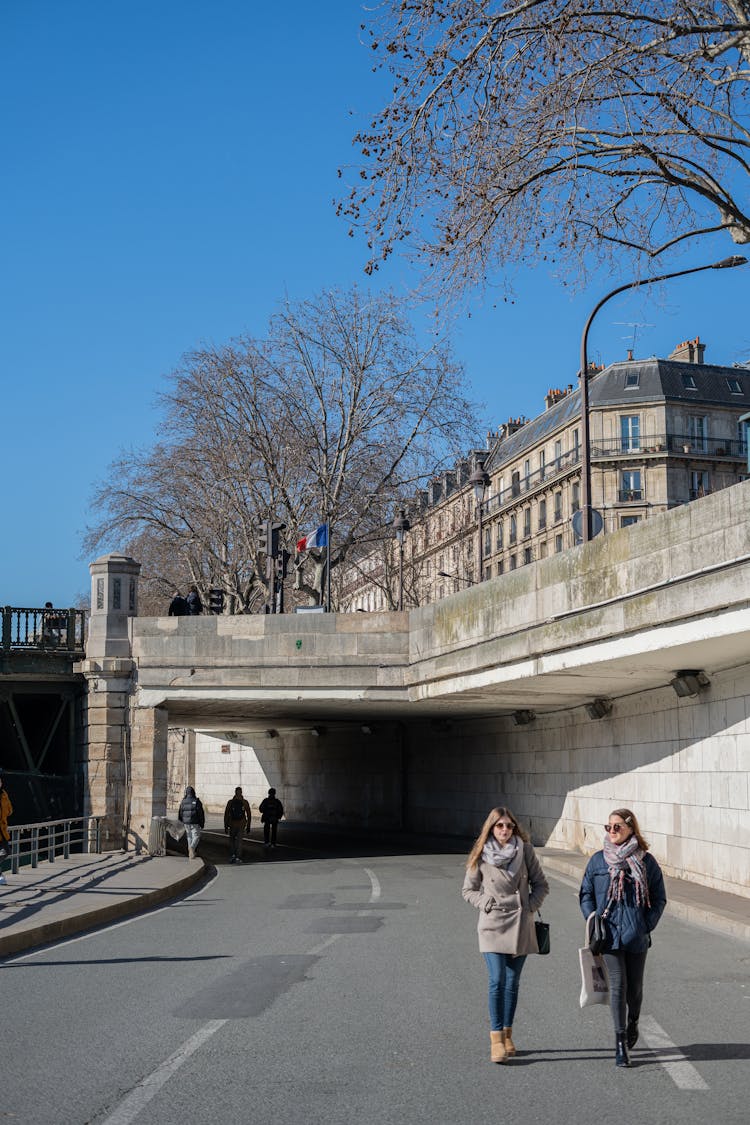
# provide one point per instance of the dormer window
(734, 385)
(632, 379)
(688, 382)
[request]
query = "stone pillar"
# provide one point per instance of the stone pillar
(148, 761)
(110, 675)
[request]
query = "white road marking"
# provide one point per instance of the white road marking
(375, 882)
(683, 1074)
(107, 929)
(323, 945)
(142, 1094)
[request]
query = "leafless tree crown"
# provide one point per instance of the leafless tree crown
(554, 128)
(337, 414)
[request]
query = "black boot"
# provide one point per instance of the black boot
(621, 1050)
(632, 1033)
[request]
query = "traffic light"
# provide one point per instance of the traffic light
(265, 537)
(276, 529)
(215, 600)
(282, 563)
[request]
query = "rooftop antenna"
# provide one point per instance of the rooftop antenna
(635, 325)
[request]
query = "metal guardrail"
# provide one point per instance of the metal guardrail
(46, 629)
(54, 838)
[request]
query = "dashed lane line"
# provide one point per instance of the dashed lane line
(683, 1073)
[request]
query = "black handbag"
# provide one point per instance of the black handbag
(596, 928)
(542, 934)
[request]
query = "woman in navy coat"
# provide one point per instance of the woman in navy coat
(623, 883)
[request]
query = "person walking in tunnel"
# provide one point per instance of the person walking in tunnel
(624, 885)
(6, 811)
(504, 881)
(191, 814)
(236, 823)
(271, 812)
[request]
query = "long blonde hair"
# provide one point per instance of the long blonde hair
(632, 822)
(500, 813)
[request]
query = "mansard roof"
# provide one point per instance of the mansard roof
(658, 380)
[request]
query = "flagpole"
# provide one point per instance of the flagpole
(328, 565)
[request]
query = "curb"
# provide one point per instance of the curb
(70, 924)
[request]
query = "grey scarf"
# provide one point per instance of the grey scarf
(509, 857)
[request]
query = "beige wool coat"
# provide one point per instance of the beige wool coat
(506, 908)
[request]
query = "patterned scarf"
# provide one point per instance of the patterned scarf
(508, 857)
(622, 858)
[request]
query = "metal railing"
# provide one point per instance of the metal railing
(51, 839)
(45, 629)
(669, 443)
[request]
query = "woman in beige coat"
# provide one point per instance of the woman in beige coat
(505, 882)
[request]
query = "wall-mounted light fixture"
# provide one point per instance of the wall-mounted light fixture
(598, 708)
(271, 733)
(316, 732)
(689, 682)
(521, 718)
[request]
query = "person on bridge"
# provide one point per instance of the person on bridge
(194, 603)
(271, 812)
(505, 882)
(191, 814)
(236, 823)
(623, 883)
(6, 811)
(178, 607)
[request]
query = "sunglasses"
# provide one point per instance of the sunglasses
(503, 824)
(615, 827)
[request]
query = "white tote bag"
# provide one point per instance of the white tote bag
(594, 979)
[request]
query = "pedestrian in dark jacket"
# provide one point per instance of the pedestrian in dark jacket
(623, 883)
(271, 812)
(505, 882)
(178, 606)
(236, 823)
(194, 603)
(192, 816)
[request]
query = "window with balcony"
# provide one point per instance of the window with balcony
(499, 535)
(526, 522)
(576, 444)
(558, 452)
(515, 484)
(630, 485)
(575, 496)
(700, 484)
(542, 464)
(698, 431)
(542, 514)
(527, 475)
(513, 532)
(630, 432)
(558, 507)
(488, 540)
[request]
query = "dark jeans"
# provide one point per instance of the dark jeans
(625, 985)
(505, 977)
(269, 831)
(236, 837)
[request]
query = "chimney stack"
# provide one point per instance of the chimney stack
(689, 351)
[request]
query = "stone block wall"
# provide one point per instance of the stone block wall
(682, 765)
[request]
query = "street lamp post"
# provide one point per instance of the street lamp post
(479, 481)
(400, 527)
(586, 532)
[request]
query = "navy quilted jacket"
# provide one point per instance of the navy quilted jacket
(629, 924)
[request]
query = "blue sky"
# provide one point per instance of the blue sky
(168, 176)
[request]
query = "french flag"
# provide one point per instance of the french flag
(318, 538)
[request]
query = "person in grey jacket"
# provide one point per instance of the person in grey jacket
(191, 814)
(623, 883)
(505, 882)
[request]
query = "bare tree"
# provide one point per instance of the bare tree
(335, 416)
(555, 129)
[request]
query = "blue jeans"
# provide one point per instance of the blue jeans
(505, 977)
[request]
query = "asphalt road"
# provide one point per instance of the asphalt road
(331, 987)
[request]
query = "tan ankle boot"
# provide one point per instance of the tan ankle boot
(510, 1047)
(497, 1047)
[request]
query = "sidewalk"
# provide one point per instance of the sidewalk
(64, 898)
(59, 899)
